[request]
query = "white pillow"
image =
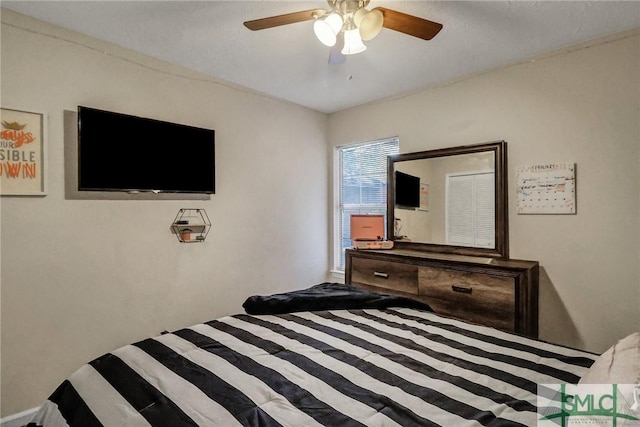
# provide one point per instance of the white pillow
(620, 364)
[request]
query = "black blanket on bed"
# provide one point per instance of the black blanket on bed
(327, 296)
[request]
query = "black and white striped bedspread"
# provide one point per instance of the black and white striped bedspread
(394, 367)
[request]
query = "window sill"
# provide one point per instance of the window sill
(337, 275)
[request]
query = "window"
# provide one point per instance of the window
(362, 186)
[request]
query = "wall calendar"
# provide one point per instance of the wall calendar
(546, 188)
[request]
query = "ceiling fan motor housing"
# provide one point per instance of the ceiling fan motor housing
(347, 6)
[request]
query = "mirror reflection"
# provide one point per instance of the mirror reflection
(450, 200)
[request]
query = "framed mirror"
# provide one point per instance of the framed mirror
(450, 200)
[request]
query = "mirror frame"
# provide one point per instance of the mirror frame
(501, 249)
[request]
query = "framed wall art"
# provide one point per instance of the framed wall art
(424, 197)
(22, 153)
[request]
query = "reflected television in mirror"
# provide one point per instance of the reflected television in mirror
(407, 191)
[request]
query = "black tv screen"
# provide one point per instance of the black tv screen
(407, 190)
(120, 152)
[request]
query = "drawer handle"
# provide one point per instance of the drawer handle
(381, 275)
(461, 289)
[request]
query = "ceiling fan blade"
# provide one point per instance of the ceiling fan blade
(409, 24)
(287, 18)
(336, 57)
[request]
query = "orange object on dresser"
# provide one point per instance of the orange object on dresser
(367, 232)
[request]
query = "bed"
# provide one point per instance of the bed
(370, 360)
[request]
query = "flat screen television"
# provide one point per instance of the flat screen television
(120, 152)
(407, 190)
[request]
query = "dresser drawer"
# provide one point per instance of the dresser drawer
(476, 297)
(394, 276)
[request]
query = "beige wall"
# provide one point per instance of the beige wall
(82, 277)
(580, 105)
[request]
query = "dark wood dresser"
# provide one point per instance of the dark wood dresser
(493, 292)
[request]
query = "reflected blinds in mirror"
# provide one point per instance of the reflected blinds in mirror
(470, 219)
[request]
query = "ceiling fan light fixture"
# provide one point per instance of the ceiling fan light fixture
(368, 22)
(353, 42)
(336, 27)
(327, 28)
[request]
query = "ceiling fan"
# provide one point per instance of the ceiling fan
(348, 23)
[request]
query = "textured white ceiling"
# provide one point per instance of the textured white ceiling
(288, 62)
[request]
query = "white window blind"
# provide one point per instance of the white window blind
(363, 184)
